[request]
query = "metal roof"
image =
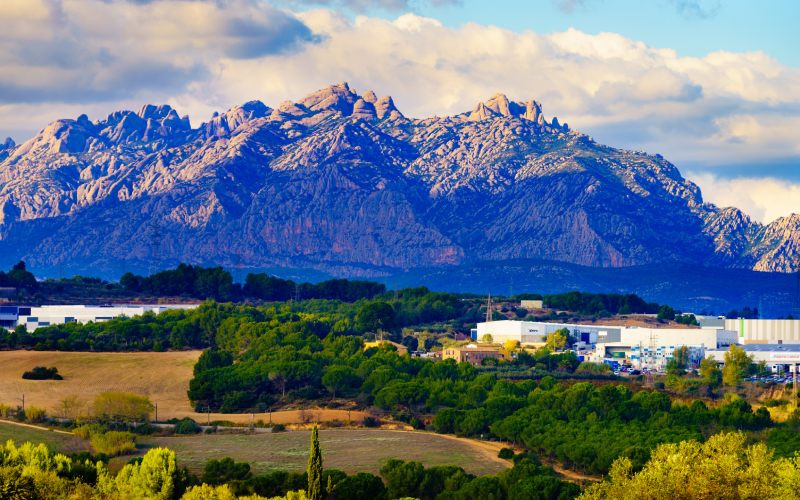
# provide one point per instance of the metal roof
(767, 348)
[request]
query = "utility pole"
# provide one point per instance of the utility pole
(796, 306)
(489, 308)
(156, 407)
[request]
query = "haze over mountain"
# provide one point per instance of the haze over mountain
(344, 183)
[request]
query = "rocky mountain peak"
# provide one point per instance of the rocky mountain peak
(332, 182)
(8, 143)
(500, 106)
(337, 97)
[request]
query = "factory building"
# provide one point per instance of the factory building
(33, 317)
(535, 333)
(765, 331)
(778, 357)
(653, 347)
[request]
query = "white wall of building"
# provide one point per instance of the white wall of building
(765, 330)
(60, 314)
(534, 332)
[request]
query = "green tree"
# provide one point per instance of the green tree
(487, 338)
(338, 378)
(557, 340)
(122, 406)
(152, 478)
(315, 488)
(375, 316)
(710, 373)
(680, 360)
(665, 312)
(722, 467)
(224, 471)
(737, 366)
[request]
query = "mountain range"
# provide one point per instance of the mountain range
(343, 183)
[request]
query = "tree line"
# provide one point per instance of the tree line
(217, 283)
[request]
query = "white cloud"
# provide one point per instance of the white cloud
(764, 199)
(722, 108)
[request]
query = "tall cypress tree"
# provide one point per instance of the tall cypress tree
(315, 467)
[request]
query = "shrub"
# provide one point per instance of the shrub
(506, 453)
(187, 426)
(5, 410)
(124, 406)
(87, 430)
(371, 422)
(278, 428)
(42, 373)
(113, 443)
(35, 414)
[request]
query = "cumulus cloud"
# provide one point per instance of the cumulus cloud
(764, 199)
(364, 5)
(90, 50)
(200, 56)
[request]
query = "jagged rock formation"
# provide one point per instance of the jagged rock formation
(344, 182)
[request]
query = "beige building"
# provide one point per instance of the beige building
(472, 353)
(764, 331)
(531, 304)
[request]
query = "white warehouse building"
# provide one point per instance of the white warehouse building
(764, 331)
(653, 347)
(36, 317)
(534, 332)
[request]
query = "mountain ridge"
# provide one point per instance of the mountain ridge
(340, 180)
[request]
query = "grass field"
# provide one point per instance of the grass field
(350, 450)
(162, 376)
(56, 441)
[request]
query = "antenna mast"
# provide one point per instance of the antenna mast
(489, 308)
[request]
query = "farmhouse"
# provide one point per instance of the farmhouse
(472, 353)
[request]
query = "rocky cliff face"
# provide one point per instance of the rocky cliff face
(344, 182)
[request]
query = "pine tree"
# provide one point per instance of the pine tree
(315, 467)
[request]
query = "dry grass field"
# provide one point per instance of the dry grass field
(162, 376)
(350, 450)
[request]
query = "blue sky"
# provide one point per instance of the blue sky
(692, 28)
(712, 85)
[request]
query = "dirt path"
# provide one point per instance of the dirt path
(570, 475)
(38, 427)
(489, 449)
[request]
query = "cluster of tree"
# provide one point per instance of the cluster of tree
(187, 280)
(600, 304)
(667, 313)
(722, 467)
(217, 283)
(42, 373)
(199, 327)
(271, 288)
(263, 364)
(19, 277)
(745, 312)
(554, 419)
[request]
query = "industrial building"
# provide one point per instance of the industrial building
(778, 357)
(534, 332)
(764, 331)
(33, 317)
(639, 347)
(653, 347)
